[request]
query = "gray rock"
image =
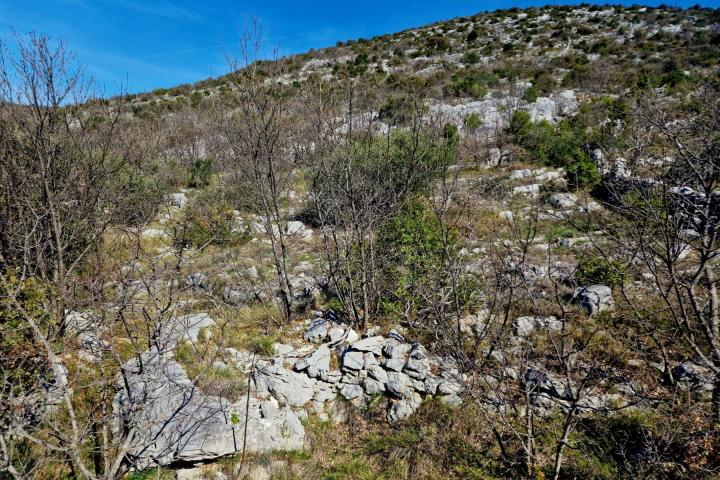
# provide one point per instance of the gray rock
(236, 296)
(691, 376)
(373, 387)
(324, 392)
(197, 280)
(402, 409)
(370, 360)
(333, 376)
(353, 360)
(394, 364)
(452, 400)
(178, 199)
(351, 391)
(564, 200)
(396, 349)
(353, 377)
(519, 174)
(305, 291)
(184, 327)
(316, 363)
(283, 349)
(431, 385)
(289, 387)
(525, 326)
(400, 385)
(531, 191)
(294, 227)
(351, 336)
(449, 387)
(417, 365)
(371, 344)
(173, 423)
(86, 328)
(317, 331)
(378, 373)
(594, 299)
(336, 334)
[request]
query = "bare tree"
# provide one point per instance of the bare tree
(260, 139)
(59, 168)
(663, 191)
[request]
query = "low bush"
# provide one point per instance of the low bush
(200, 173)
(600, 271)
(210, 221)
(558, 146)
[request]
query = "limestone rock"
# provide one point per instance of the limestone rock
(371, 344)
(317, 331)
(351, 392)
(174, 423)
(402, 409)
(177, 199)
(594, 299)
(378, 373)
(564, 200)
(289, 387)
(400, 385)
(373, 387)
(353, 360)
(525, 326)
(317, 363)
(394, 364)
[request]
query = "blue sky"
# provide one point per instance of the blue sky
(161, 43)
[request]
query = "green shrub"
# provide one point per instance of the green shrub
(142, 193)
(414, 242)
(600, 271)
(210, 221)
(473, 83)
(557, 146)
(470, 58)
(397, 110)
(200, 173)
(25, 365)
(531, 94)
(263, 345)
(472, 122)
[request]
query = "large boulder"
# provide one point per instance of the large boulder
(594, 298)
(564, 200)
(171, 422)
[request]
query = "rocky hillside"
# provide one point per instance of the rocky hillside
(591, 48)
(484, 248)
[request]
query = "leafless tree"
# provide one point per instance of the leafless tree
(260, 139)
(59, 169)
(664, 192)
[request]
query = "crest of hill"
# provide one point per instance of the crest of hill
(587, 48)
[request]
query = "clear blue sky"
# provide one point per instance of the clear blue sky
(162, 43)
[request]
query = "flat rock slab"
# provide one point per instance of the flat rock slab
(173, 422)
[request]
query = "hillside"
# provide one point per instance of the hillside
(594, 49)
(483, 248)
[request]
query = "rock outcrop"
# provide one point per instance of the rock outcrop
(169, 421)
